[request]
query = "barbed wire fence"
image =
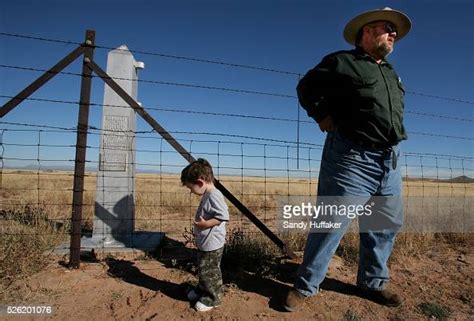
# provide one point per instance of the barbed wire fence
(36, 171)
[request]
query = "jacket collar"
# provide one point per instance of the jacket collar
(360, 53)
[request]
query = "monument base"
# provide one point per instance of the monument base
(137, 245)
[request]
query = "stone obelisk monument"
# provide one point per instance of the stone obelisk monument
(115, 193)
(115, 200)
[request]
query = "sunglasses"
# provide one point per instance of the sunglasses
(388, 27)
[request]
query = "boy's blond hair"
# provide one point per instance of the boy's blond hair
(198, 169)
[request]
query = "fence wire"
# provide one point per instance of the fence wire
(37, 187)
(36, 174)
(207, 61)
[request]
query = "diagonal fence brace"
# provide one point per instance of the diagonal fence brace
(43, 79)
(180, 149)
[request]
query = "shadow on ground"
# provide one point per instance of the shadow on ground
(127, 272)
(270, 279)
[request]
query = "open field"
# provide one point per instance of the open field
(162, 204)
(433, 271)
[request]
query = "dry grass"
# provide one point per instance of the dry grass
(26, 234)
(162, 204)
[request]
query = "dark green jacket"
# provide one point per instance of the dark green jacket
(364, 98)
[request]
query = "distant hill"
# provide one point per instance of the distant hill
(460, 179)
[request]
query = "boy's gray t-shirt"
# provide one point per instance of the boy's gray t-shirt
(212, 205)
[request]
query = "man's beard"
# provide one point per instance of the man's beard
(383, 49)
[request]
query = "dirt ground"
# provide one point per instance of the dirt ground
(153, 289)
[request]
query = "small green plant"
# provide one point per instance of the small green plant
(351, 316)
(434, 310)
(116, 295)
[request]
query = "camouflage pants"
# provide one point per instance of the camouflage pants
(210, 277)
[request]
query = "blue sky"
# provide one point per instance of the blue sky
(436, 58)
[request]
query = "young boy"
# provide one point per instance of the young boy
(209, 232)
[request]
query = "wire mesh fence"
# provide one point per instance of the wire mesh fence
(37, 176)
(261, 170)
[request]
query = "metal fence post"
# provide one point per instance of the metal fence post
(81, 145)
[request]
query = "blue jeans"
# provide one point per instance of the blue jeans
(350, 170)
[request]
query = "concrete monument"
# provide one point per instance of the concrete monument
(115, 193)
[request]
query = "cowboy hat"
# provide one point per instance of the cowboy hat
(399, 19)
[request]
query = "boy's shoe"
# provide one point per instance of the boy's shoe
(201, 307)
(193, 296)
(294, 301)
(384, 297)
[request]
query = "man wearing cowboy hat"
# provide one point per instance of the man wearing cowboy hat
(357, 98)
